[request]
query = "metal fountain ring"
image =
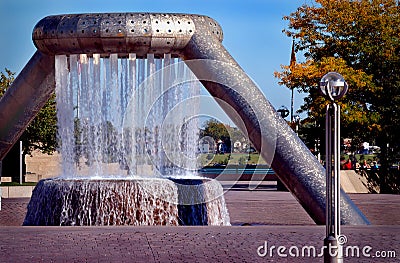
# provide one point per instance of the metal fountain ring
(121, 33)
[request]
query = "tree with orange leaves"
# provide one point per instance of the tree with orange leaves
(360, 39)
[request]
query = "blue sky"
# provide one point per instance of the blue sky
(252, 31)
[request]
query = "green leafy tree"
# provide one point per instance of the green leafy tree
(5, 81)
(217, 131)
(224, 132)
(41, 134)
(360, 39)
(358, 119)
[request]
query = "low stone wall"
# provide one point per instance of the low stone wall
(42, 166)
(16, 191)
(356, 183)
(5, 179)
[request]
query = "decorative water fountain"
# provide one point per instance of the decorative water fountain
(128, 156)
(128, 133)
(93, 57)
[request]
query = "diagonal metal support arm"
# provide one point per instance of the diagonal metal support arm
(24, 99)
(292, 161)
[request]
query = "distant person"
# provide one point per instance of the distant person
(342, 162)
(353, 162)
(366, 165)
(347, 165)
(221, 147)
(365, 148)
(375, 165)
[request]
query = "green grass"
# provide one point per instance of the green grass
(240, 158)
(233, 158)
(17, 184)
(368, 157)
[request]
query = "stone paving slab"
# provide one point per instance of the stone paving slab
(187, 244)
(258, 207)
(380, 209)
(275, 218)
(13, 211)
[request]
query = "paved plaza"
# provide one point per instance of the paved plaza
(262, 220)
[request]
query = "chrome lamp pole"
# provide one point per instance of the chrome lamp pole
(333, 87)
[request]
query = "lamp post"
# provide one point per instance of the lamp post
(283, 111)
(296, 119)
(333, 87)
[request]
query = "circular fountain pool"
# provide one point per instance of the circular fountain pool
(129, 201)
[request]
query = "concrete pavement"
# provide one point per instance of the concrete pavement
(274, 217)
(186, 244)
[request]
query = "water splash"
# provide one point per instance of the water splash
(126, 116)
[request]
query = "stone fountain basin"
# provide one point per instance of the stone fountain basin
(126, 201)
